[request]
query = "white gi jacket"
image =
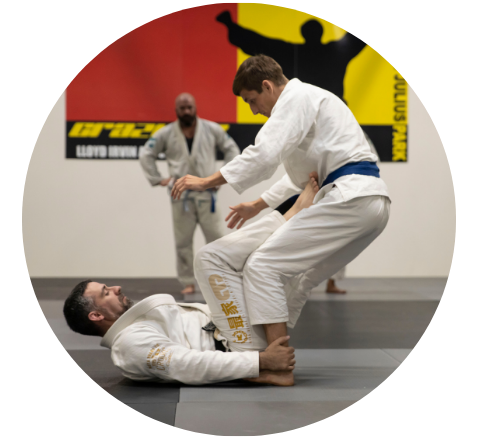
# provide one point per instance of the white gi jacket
(310, 129)
(171, 141)
(159, 339)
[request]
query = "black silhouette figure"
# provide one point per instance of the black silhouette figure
(323, 65)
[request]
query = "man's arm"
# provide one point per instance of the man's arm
(148, 155)
(292, 118)
(141, 351)
(192, 183)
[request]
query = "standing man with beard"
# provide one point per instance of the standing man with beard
(190, 145)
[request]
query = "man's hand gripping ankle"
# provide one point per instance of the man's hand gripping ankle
(278, 356)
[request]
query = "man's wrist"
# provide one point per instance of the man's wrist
(263, 360)
(260, 204)
(214, 180)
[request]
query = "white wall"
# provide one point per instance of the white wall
(92, 218)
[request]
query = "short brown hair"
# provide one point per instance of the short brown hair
(254, 70)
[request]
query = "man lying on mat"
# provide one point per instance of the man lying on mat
(191, 343)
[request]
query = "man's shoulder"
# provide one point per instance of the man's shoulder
(165, 131)
(214, 126)
(304, 88)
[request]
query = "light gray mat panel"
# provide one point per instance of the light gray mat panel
(334, 384)
(317, 358)
(253, 418)
(398, 354)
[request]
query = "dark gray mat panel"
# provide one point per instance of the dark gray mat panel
(138, 392)
(163, 414)
(99, 367)
(362, 325)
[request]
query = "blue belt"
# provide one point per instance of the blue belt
(360, 168)
(213, 200)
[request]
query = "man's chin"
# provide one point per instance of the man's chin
(187, 122)
(127, 303)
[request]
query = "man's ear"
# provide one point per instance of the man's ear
(267, 85)
(95, 316)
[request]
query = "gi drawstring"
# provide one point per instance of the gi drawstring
(213, 200)
(185, 199)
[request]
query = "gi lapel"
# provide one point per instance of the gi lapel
(142, 308)
(181, 141)
(195, 149)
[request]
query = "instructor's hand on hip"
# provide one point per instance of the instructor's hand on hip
(241, 213)
(187, 183)
(277, 356)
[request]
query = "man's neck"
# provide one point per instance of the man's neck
(280, 89)
(104, 326)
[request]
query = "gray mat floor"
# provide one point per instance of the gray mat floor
(346, 346)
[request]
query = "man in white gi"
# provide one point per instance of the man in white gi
(189, 145)
(331, 286)
(309, 130)
(163, 340)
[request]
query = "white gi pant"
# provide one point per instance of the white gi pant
(218, 267)
(302, 252)
(196, 209)
(339, 275)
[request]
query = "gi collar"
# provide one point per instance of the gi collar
(142, 308)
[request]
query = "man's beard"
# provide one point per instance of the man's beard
(126, 304)
(129, 303)
(187, 120)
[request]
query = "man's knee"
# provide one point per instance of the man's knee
(203, 256)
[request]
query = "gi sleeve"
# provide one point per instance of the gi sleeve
(280, 191)
(226, 144)
(148, 154)
(292, 118)
(142, 352)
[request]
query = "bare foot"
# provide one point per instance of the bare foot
(189, 289)
(275, 378)
(333, 289)
(306, 197)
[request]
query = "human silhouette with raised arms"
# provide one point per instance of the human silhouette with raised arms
(323, 65)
